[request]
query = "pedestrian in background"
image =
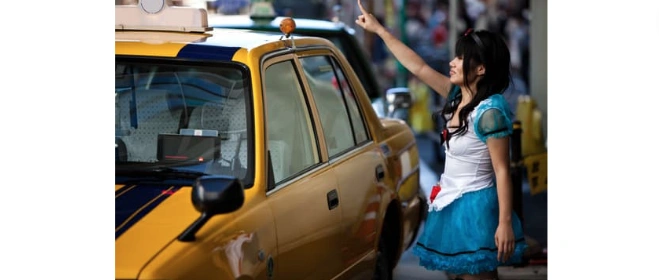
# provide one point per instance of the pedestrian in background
(420, 117)
(471, 228)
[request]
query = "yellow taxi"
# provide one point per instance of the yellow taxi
(252, 155)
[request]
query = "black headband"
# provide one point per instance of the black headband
(475, 37)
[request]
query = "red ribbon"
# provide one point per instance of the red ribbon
(433, 193)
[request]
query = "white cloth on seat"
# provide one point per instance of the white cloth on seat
(153, 115)
(209, 116)
(229, 120)
(237, 129)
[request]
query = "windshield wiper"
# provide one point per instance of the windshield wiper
(178, 172)
(161, 173)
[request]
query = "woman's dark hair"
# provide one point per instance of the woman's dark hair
(476, 48)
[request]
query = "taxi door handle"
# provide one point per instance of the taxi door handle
(332, 199)
(379, 172)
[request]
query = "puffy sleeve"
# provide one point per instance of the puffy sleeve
(493, 118)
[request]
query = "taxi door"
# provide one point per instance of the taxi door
(303, 194)
(354, 158)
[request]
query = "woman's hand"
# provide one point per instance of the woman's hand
(367, 20)
(505, 241)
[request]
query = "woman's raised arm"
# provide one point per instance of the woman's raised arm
(404, 54)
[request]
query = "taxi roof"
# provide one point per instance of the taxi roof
(169, 31)
(217, 45)
(238, 38)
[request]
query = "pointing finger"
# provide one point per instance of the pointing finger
(361, 8)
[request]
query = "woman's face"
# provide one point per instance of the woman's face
(455, 71)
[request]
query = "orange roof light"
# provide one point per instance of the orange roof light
(287, 26)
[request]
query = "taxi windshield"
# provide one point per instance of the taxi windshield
(182, 117)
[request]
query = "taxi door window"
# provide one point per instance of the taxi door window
(334, 115)
(355, 114)
(291, 139)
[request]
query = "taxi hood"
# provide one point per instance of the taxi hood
(148, 217)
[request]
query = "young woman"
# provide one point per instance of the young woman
(471, 228)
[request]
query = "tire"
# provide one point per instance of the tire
(423, 215)
(383, 269)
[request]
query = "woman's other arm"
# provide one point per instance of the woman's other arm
(504, 237)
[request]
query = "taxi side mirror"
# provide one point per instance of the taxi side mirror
(213, 195)
(398, 98)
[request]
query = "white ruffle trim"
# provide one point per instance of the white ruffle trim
(440, 202)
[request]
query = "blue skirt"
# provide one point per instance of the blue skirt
(459, 239)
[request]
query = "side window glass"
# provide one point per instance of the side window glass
(330, 102)
(291, 139)
(356, 117)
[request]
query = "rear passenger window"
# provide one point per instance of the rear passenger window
(356, 117)
(341, 120)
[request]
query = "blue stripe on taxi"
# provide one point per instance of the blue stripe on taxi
(207, 52)
(134, 202)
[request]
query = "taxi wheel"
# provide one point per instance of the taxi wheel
(383, 265)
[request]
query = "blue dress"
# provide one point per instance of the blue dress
(458, 235)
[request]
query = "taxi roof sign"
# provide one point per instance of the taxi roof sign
(160, 15)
